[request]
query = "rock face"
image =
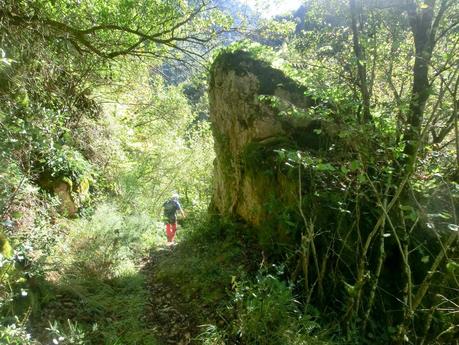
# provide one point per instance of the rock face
(60, 187)
(256, 110)
(325, 216)
(64, 193)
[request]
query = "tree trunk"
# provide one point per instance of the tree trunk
(361, 64)
(421, 21)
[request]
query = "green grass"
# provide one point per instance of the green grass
(97, 294)
(216, 271)
(108, 312)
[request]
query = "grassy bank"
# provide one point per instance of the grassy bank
(91, 289)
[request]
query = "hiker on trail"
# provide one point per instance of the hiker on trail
(171, 207)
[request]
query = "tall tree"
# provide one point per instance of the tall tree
(361, 61)
(424, 22)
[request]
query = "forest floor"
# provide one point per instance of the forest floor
(179, 294)
(168, 312)
(190, 286)
(152, 310)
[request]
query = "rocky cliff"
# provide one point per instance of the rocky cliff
(256, 111)
(307, 188)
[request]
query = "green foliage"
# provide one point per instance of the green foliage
(10, 178)
(256, 50)
(95, 260)
(107, 244)
(43, 104)
(65, 161)
(115, 307)
(21, 268)
(15, 334)
(66, 335)
(209, 269)
(53, 128)
(98, 296)
(169, 148)
(117, 131)
(202, 266)
(268, 313)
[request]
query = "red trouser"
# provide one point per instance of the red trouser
(171, 228)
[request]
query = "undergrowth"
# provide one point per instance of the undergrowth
(235, 299)
(91, 289)
(104, 311)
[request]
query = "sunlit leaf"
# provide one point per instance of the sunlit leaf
(453, 227)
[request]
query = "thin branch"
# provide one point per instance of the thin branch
(80, 40)
(441, 12)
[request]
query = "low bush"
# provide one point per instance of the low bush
(106, 244)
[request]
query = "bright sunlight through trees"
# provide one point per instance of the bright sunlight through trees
(271, 8)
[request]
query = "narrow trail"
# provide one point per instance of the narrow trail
(169, 314)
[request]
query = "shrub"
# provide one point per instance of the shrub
(269, 314)
(15, 334)
(107, 243)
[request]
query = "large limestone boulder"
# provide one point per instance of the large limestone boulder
(256, 110)
(323, 220)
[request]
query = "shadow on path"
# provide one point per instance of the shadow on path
(168, 311)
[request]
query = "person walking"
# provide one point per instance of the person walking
(171, 207)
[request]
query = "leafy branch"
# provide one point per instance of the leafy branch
(135, 40)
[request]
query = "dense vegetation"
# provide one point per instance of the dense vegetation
(104, 113)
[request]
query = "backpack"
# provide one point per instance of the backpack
(170, 207)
